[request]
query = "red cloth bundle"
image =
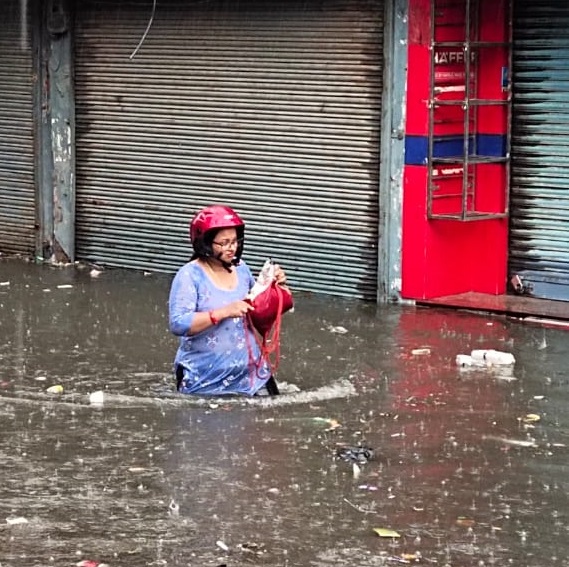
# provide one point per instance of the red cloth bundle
(269, 305)
(270, 301)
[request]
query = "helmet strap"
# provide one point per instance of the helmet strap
(226, 265)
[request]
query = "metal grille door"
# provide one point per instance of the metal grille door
(270, 107)
(539, 249)
(17, 185)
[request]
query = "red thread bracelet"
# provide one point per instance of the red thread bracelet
(214, 320)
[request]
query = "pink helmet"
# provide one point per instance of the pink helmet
(207, 222)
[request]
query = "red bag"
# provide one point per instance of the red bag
(270, 301)
(269, 305)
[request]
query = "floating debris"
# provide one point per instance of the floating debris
(530, 418)
(465, 522)
(369, 510)
(398, 559)
(485, 358)
(386, 532)
(514, 442)
(173, 509)
(356, 470)
(406, 558)
(464, 360)
(332, 423)
(493, 357)
(359, 455)
(97, 398)
(16, 521)
(256, 549)
(222, 545)
(57, 389)
(420, 351)
(339, 330)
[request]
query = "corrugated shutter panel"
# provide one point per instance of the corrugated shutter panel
(270, 107)
(540, 147)
(17, 188)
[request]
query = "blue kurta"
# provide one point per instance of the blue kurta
(218, 360)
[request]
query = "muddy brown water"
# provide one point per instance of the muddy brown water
(151, 477)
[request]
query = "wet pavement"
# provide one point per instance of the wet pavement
(469, 466)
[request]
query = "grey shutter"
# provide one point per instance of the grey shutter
(539, 249)
(272, 108)
(17, 185)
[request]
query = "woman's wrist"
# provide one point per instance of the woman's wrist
(213, 317)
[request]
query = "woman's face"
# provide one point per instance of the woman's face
(225, 243)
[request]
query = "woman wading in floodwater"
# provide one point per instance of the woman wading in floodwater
(208, 311)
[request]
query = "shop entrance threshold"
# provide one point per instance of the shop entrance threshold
(528, 308)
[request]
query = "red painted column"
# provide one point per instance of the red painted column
(415, 231)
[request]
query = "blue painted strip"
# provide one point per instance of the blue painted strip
(416, 150)
(417, 147)
(492, 145)
(449, 146)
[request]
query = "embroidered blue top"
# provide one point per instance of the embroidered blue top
(218, 360)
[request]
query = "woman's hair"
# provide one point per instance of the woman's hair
(205, 250)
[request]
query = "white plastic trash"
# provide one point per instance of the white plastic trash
(264, 279)
(97, 398)
(16, 521)
(493, 357)
(500, 358)
(463, 360)
(222, 545)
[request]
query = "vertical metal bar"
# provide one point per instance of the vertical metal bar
(42, 142)
(392, 150)
(431, 119)
(62, 123)
(510, 48)
(466, 107)
(474, 36)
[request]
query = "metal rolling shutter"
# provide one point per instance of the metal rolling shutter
(539, 249)
(17, 186)
(270, 107)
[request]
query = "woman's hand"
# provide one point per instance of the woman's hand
(205, 319)
(280, 275)
(235, 309)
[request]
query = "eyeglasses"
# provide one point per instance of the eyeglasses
(226, 244)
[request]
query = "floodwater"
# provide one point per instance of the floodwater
(461, 468)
